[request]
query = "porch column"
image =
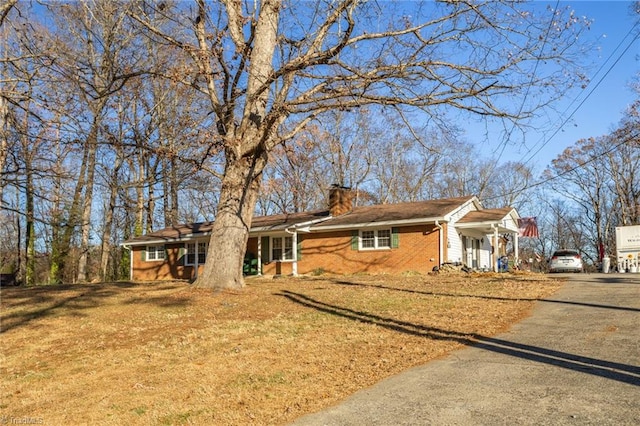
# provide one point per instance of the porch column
(259, 254)
(196, 265)
(294, 244)
(516, 251)
(496, 249)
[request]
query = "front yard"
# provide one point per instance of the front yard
(164, 353)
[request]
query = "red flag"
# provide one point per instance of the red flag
(528, 227)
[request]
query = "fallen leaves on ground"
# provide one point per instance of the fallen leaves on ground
(165, 353)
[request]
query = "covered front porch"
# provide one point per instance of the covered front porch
(485, 236)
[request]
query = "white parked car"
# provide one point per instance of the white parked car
(566, 261)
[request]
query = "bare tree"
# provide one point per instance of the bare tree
(94, 59)
(585, 181)
(23, 146)
(291, 182)
(266, 64)
(623, 165)
(5, 9)
(11, 59)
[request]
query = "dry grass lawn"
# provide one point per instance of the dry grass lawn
(164, 353)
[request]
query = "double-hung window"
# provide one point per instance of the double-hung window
(282, 248)
(196, 249)
(375, 239)
(202, 252)
(155, 252)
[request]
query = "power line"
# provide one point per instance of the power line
(571, 170)
(566, 120)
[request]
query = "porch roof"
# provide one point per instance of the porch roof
(484, 220)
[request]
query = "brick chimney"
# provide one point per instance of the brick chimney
(340, 200)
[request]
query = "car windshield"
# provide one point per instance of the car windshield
(562, 253)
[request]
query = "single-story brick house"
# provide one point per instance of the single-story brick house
(390, 238)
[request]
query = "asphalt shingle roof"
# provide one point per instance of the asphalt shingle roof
(486, 215)
(432, 209)
(398, 212)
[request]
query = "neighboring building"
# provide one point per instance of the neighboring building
(628, 248)
(390, 238)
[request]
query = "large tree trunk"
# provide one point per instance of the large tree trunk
(61, 247)
(246, 149)
(30, 236)
(108, 220)
(228, 242)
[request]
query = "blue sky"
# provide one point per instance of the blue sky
(600, 106)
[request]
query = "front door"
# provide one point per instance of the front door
(471, 252)
(476, 253)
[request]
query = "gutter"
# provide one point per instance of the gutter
(401, 222)
(159, 241)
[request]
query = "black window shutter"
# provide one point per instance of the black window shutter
(264, 242)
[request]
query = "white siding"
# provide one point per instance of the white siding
(485, 254)
(455, 251)
(466, 208)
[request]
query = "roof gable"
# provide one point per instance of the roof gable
(486, 215)
(401, 212)
(506, 220)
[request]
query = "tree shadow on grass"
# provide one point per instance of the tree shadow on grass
(611, 370)
(22, 306)
(479, 296)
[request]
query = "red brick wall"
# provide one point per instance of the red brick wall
(332, 252)
(329, 252)
(172, 267)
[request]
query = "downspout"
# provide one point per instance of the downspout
(294, 247)
(440, 243)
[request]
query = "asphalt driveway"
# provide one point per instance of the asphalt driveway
(574, 361)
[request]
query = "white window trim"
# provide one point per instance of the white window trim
(157, 248)
(196, 255)
(284, 250)
(375, 239)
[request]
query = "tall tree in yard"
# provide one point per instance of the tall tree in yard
(270, 67)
